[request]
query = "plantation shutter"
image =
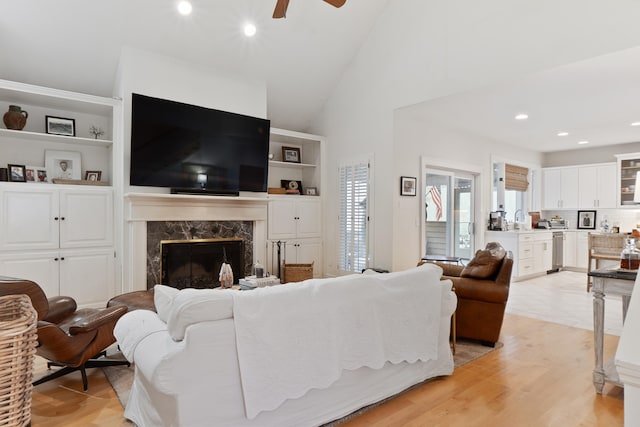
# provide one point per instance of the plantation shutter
(516, 178)
(353, 220)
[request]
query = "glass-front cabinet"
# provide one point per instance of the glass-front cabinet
(628, 167)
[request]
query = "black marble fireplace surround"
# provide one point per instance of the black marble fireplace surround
(158, 231)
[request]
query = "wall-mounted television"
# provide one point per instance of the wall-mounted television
(194, 149)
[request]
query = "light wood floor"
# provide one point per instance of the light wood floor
(541, 377)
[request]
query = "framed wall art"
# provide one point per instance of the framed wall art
(17, 173)
(291, 154)
(587, 220)
(408, 186)
(63, 164)
(93, 175)
(61, 126)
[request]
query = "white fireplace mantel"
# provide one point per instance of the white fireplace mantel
(143, 207)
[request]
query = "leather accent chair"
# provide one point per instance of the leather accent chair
(481, 301)
(68, 337)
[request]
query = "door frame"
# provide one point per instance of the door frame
(450, 167)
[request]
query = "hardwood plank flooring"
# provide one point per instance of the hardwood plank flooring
(541, 377)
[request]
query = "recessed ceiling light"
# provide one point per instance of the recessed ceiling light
(583, 142)
(563, 133)
(635, 124)
(249, 30)
(185, 8)
(522, 117)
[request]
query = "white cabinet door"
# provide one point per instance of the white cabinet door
(29, 219)
(569, 183)
(282, 219)
(569, 249)
(606, 186)
(86, 218)
(582, 249)
(551, 188)
(87, 275)
(40, 267)
(588, 190)
(308, 218)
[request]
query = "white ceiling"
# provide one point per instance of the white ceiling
(75, 44)
(594, 100)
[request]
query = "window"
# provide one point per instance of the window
(354, 217)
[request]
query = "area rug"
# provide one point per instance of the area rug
(121, 377)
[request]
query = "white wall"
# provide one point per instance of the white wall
(423, 49)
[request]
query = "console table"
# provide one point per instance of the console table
(607, 282)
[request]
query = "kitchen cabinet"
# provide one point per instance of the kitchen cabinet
(596, 186)
(582, 249)
(628, 168)
(569, 248)
(532, 251)
(61, 237)
(560, 188)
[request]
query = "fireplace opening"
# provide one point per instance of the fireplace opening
(196, 263)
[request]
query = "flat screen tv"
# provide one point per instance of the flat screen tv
(194, 149)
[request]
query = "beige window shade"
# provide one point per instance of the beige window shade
(516, 178)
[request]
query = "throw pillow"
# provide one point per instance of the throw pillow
(163, 298)
(485, 263)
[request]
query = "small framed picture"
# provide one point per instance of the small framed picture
(41, 175)
(61, 126)
(17, 173)
(31, 173)
(63, 164)
(93, 175)
(587, 220)
(407, 186)
(311, 191)
(291, 154)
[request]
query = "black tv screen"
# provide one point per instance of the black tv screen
(196, 149)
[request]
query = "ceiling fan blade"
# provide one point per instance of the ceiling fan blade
(336, 3)
(281, 9)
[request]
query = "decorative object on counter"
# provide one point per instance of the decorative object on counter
(15, 118)
(311, 191)
(291, 186)
(17, 173)
(587, 220)
(408, 186)
(93, 175)
(276, 190)
(78, 182)
(60, 126)
(291, 154)
(497, 220)
(535, 218)
(270, 156)
(630, 255)
(96, 132)
(4, 174)
(63, 164)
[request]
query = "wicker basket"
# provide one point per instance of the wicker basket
(18, 340)
(296, 272)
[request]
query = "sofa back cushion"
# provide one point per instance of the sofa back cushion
(486, 263)
(192, 306)
(163, 299)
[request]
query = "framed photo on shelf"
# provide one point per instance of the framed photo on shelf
(31, 173)
(408, 186)
(63, 164)
(311, 191)
(587, 220)
(41, 175)
(291, 186)
(17, 173)
(291, 154)
(61, 126)
(93, 175)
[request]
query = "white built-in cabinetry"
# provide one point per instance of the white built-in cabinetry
(579, 187)
(596, 186)
(60, 236)
(296, 220)
(532, 251)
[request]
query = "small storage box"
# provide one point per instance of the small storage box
(296, 272)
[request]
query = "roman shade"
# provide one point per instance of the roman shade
(516, 178)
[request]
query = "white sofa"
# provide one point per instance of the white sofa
(299, 354)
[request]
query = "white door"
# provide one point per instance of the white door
(86, 218)
(87, 275)
(308, 218)
(282, 222)
(39, 267)
(29, 219)
(607, 186)
(551, 191)
(569, 184)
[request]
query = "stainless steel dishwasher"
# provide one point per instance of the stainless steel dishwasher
(558, 238)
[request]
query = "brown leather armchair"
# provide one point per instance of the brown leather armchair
(481, 302)
(68, 337)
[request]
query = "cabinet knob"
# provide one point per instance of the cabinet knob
(61, 258)
(55, 259)
(62, 218)
(55, 218)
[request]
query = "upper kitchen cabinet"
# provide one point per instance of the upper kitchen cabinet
(596, 184)
(560, 188)
(628, 166)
